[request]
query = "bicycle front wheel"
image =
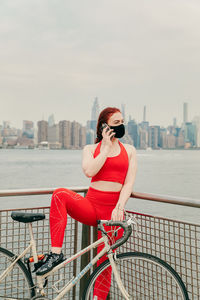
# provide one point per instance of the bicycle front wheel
(144, 277)
(17, 284)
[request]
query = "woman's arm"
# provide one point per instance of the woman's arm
(91, 165)
(118, 211)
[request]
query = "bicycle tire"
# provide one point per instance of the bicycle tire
(18, 283)
(144, 276)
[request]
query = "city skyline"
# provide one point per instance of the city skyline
(58, 58)
(144, 111)
(72, 135)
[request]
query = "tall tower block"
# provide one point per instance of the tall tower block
(95, 110)
(144, 114)
(185, 112)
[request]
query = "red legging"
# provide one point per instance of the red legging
(97, 205)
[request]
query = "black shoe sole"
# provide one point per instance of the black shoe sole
(47, 271)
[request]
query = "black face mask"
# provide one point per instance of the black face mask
(119, 130)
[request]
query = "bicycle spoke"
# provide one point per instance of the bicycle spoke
(17, 284)
(143, 276)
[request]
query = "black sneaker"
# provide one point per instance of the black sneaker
(50, 261)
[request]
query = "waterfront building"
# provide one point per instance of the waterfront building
(171, 130)
(163, 138)
(180, 140)
(190, 133)
(143, 138)
(95, 110)
(82, 138)
(90, 136)
(144, 125)
(6, 124)
(27, 125)
(185, 112)
(133, 131)
(123, 108)
(35, 139)
(174, 122)
(154, 137)
(171, 141)
(1, 139)
(24, 143)
(75, 135)
(51, 120)
(9, 135)
(127, 139)
(93, 125)
(42, 131)
(88, 125)
(94, 114)
(28, 129)
(144, 114)
(65, 134)
(53, 134)
(10, 132)
(196, 122)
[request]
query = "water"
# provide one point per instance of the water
(165, 172)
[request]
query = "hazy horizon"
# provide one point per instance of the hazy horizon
(56, 57)
(83, 123)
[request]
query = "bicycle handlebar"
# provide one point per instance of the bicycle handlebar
(123, 224)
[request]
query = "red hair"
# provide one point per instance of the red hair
(103, 118)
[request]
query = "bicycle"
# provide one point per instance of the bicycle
(135, 275)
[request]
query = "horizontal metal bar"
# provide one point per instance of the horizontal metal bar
(145, 196)
(167, 199)
(45, 191)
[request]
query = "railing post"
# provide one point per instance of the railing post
(0, 227)
(75, 262)
(85, 258)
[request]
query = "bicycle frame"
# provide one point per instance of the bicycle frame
(73, 281)
(32, 246)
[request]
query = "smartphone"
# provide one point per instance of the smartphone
(104, 125)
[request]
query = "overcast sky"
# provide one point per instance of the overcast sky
(57, 56)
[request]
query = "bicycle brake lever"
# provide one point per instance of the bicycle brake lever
(134, 222)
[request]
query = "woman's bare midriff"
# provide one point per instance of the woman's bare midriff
(106, 186)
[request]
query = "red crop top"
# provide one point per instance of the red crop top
(115, 168)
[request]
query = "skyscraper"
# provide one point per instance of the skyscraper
(65, 134)
(95, 110)
(53, 134)
(196, 122)
(174, 122)
(51, 121)
(154, 137)
(82, 138)
(185, 112)
(123, 112)
(75, 134)
(144, 114)
(28, 129)
(42, 131)
(94, 115)
(133, 131)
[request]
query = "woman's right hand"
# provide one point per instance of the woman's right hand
(107, 135)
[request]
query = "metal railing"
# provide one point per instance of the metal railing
(176, 242)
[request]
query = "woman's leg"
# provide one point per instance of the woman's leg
(102, 284)
(65, 202)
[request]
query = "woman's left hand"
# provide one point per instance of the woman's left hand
(117, 214)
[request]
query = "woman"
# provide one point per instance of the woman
(112, 167)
